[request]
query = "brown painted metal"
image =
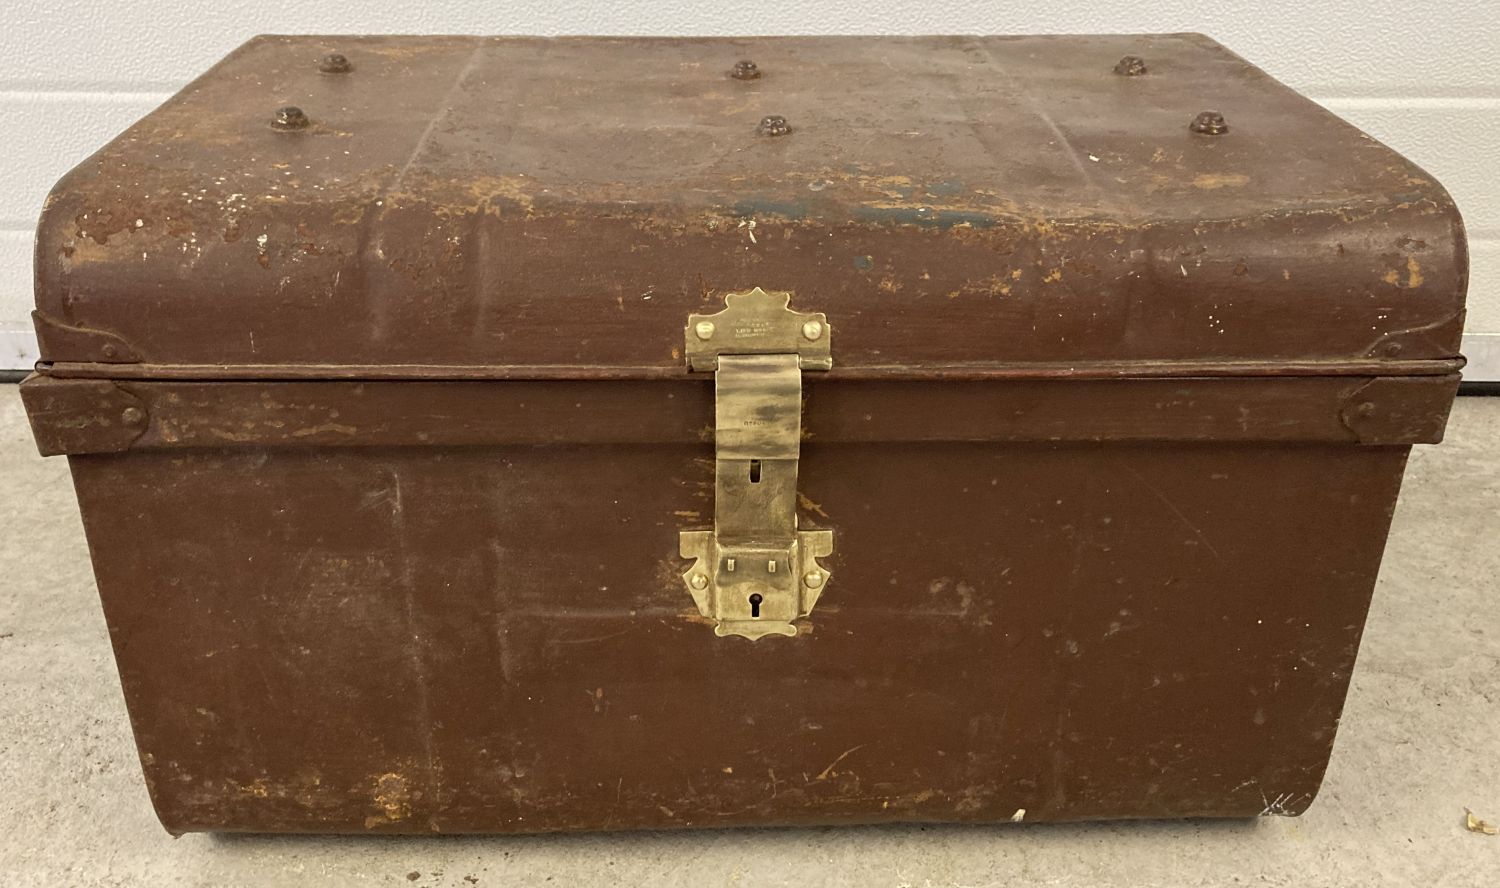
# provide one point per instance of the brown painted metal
(514, 201)
(383, 434)
(108, 416)
(496, 638)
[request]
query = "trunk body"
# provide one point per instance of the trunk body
(386, 428)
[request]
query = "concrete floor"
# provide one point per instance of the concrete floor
(1420, 741)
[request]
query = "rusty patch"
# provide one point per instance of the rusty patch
(392, 796)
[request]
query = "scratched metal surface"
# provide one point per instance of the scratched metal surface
(497, 638)
(508, 201)
(1057, 598)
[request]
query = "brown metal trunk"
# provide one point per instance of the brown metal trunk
(384, 430)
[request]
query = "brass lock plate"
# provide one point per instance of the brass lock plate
(756, 573)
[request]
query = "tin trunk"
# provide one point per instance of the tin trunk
(446, 469)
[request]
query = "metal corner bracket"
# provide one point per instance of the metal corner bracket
(755, 572)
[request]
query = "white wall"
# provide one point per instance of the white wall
(1423, 77)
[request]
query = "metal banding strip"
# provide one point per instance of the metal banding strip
(455, 372)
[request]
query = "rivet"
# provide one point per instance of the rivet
(132, 415)
(773, 125)
(1365, 408)
(109, 350)
(1209, 123)
(1131, 66)
(704, 329)
(745, 70)
(335, 63)
(813, 579)
(812, 329)
(1392, 349)
(290, 118)
(698, 581)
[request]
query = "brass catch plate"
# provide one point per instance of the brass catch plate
(756, 572)
(759, 322)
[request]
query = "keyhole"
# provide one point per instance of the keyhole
(755, 601)
(754, 471)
